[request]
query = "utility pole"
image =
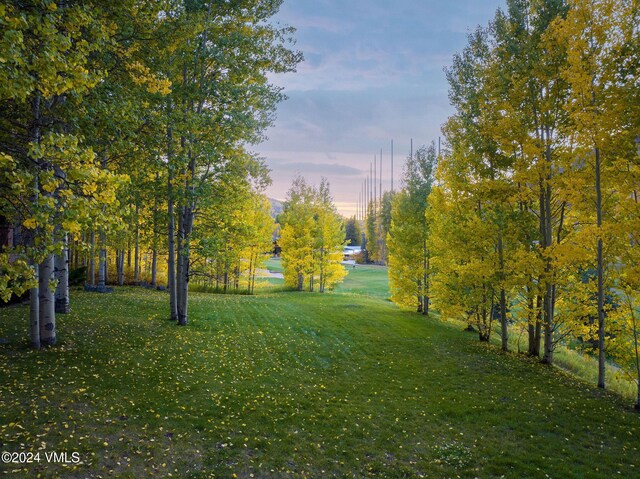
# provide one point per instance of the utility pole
(380, 179)
(391, 167)
(364, 200)
(370, 182)
(375, 183)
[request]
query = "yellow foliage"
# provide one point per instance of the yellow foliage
(50, 186)
(30, 223)
(72, 227)
(6, 161)
(142, 75)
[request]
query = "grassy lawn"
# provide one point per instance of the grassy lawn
(294, 385)
(366, 280)
(274, 265)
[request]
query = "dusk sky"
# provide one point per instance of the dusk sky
(373, 72)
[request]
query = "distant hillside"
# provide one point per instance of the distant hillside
(276, 207)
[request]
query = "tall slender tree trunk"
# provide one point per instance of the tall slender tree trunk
(547, 237)
(253, 273)
(600, 268)
(171, 235)
(154, 253)
(503, 297)
(62, 303)
(120, 260)
(538, 337)
(425, 279)
(184, 233)
(249, 282)
(34, 309)
(482, 320)
(186, 215)
(136, 258)
(548, 317)
(47, 316)
(322, 278)
(85, 254)
(426, 287)
(534, 328)
(225, 276)
(531, 325)
(154, 267)
(118, 266)
(180, 262)
(92, 260)
(34, 293)
(102, 264)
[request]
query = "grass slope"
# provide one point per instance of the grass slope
(294, 385)
(366, 280)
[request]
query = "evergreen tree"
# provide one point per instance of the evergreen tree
(352, 232)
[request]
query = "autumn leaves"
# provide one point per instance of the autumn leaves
(127, 127)
(534, 212)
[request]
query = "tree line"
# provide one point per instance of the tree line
(530, 219)
(126, 127)
(312, 238)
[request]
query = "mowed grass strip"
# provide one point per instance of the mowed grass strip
(294, 385)
(367, 280)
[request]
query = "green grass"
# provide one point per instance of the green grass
(366, 280)
(274, 265)
(581, 365)
(295, 385)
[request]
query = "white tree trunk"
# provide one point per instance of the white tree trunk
(171, 258)
(34, 311)
(120, 260)
(601, 271)
(136, 271)
(185, 224)
(62, 303)
(154, 268)
(92, 260)
(180, 264)
(171, 265)
(47, 311)
(102, 265)
(547, 237)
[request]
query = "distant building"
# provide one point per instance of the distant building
(350, 252)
